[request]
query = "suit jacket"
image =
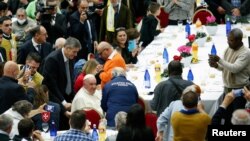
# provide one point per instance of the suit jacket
(28, 47)
(123, 20)
(244, 8)
(58, 30)
(4, 137)
(10, 92)
(55, 77)
(81, 32)
(3, 52)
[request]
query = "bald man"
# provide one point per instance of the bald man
(112, 60)
(10, 90)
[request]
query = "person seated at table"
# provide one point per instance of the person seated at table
(41, 97)
(191, 122)
(149, 24)
(165, 130)
(90, 67)
(221, 113)
(20, 110)
(169, 90)
(77, 123)
(121, 44)
(26, 131)
(120, 121)
(135, 128)
(112, 60)
(6, 122)
(118, 95)
(89, 96)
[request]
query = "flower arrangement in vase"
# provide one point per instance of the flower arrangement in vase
(200, 38)
(211, 25)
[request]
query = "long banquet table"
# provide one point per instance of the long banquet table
(209, 79)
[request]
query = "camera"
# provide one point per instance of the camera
(49, 108)
(238, 92)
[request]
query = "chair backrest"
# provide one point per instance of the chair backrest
(93, 116)
(151, 120)
(141, 102)
(202, 13)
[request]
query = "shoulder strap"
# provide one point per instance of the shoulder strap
(177, 88)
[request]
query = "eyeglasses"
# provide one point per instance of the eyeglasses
(120, 28)
(100, 53)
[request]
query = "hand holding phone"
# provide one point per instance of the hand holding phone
(238, 92)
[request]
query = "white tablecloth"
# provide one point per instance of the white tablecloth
(172, 38)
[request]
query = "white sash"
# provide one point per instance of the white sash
(111, 19)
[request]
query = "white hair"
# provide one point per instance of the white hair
(240, 117)
(118, 71)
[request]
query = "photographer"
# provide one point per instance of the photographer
(82, 27)
(221, 114)
(54, 23)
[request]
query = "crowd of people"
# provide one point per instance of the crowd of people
(72, 55)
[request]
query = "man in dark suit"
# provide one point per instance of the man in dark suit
(82, 27)
(10, 90)
(121, 18)
(58, 74)
(37, 44)
(6, 123)
(54, 23)
(2, 50)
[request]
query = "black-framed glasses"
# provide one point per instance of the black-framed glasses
(120, 28)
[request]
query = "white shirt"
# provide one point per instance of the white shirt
(83, 99)
(35, 44)
(16, 118)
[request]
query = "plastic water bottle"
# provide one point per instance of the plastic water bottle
(102, 129)
(187, 30)
(228, 26)
(157, 71)
(213, 50)
(95, 134)
(165, 56)
(53, 129)
(147, 82)
(190, 75)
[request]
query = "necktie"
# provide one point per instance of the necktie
(38, 48)
(68, 86)
(1, 58)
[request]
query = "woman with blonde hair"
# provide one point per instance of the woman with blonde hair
(90, 67)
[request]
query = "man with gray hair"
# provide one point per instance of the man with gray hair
(118, 95)
(120, 120)
(6, 123)
(240, 117)
(88, 96)
(58, 74)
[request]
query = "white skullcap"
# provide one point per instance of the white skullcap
(88, 76)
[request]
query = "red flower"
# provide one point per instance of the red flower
(191, 38)
(177, 58)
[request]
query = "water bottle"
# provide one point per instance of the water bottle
(95, 134)
(53, 130)
(228, 26)
(190, 75)
(147, 79)
(102, 129)
(165, 56)
(187, 30)
(157, 71)
(213, 50)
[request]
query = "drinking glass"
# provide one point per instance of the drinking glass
(179, 23)
(45, 126)
(233, 19)
(248, 19)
